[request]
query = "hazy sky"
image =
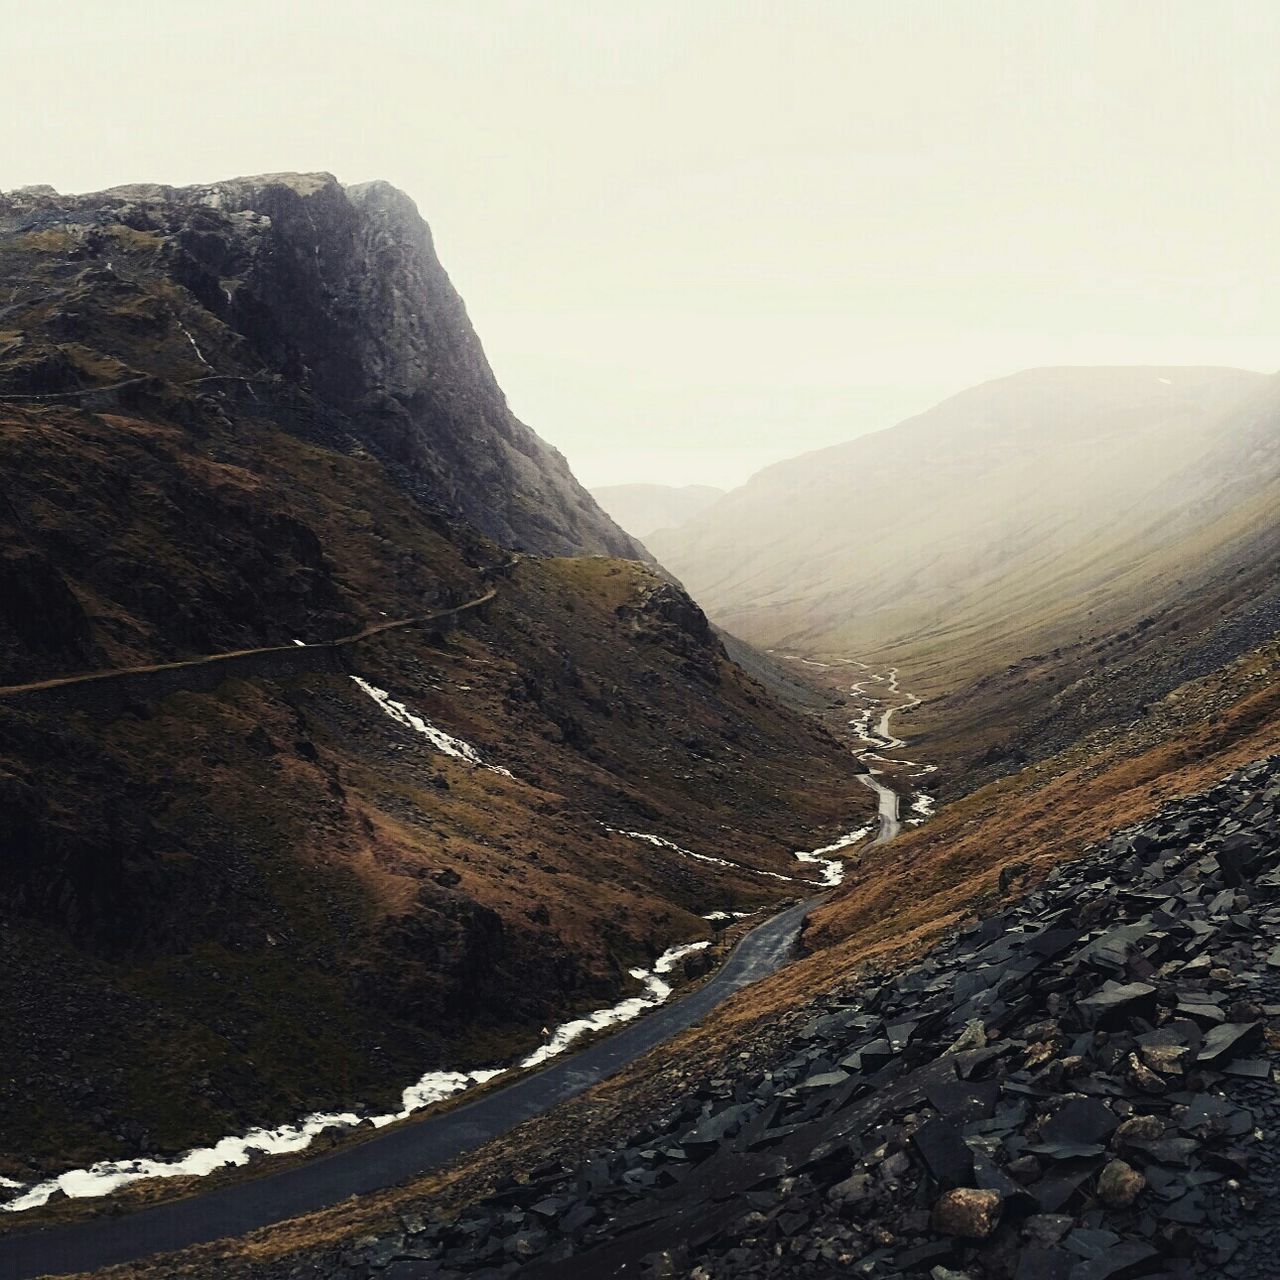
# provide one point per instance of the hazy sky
(697, 236)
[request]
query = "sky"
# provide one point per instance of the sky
(700, 236)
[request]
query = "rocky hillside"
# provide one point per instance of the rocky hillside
(335, 292)
(250, 418)
(1077, 1087)
(642, 509)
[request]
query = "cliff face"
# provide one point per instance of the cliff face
(327, 293)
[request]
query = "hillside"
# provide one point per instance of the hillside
(642, 509)
(1063, 543)
(251, 418)
(1081, 849)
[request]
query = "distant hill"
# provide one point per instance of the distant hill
(1058, 546)
(642, 509)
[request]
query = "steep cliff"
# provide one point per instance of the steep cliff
(295, 281)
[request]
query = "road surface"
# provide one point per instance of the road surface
(888, 812)
(366, 633)
(394, 1154)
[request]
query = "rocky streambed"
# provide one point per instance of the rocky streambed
(1081, 1087)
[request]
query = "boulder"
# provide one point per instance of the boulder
(1119, 1185)
(967, 1212)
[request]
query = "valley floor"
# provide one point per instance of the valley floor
(405, 1150)
(1132, 980)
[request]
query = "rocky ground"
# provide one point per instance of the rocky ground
(1080, 1087)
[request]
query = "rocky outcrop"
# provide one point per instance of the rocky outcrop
(335, 292)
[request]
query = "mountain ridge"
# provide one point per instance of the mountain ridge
(1032, 374)
(300, 265)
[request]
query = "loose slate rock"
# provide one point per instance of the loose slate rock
(963, 1101)
(1044, 1264)
(944, 1153)
(1116, 1003)
(1081, 1121)
(1230, 1040)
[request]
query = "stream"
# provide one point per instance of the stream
(107, 1176)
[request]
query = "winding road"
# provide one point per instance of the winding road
(416, 1146)
(403, 1151)
(890, 823)
(883, 739)
(366, 633)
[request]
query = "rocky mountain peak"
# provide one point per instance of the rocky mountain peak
(332, 291)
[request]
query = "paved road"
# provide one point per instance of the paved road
(394, 1154)
(889, 810)
(376, 629)
(20, 398)
(889, 823)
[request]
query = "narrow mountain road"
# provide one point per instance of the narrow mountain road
(26, 397)
(881, 739)
(394, 1154)
(890, 824)
(366, 633)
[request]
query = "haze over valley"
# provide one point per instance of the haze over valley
(793, 791)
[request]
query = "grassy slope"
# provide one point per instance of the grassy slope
(897, 533)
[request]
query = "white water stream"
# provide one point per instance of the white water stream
(438, 738)
(110, 1175)
(107, 1176)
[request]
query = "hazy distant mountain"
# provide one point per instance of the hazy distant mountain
(642, 509)
(1022, 514)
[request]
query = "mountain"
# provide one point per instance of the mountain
(336, 290)
(1113, 526)
(332, 706)
(342, 749)
(642, 509)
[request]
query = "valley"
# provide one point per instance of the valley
(240, 887)
(403, 875)
(786, 1049)
(372, 1161)
(878, 698)
(1088, 538)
